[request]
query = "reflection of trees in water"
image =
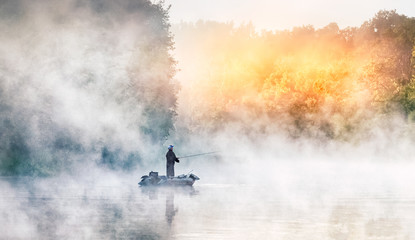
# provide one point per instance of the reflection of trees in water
(345, 222)
(385, 228)
(348, 221)
(44, 213)
(60, 212)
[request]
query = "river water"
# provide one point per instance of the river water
(322, 205)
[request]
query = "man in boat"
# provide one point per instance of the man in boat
(171, 160)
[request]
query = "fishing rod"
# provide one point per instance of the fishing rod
(195, 155)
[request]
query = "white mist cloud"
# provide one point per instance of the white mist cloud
(78, 77)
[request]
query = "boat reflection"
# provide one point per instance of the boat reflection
(169, 192)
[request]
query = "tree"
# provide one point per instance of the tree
(389, 39)
(91, 82)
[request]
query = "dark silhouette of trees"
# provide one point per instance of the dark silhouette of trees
(83, 82)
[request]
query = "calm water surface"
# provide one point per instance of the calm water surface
(46, 209)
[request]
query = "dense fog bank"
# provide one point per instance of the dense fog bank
(82, 82)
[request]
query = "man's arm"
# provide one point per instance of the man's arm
(176, 159)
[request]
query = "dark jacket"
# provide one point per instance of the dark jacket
(171, 159)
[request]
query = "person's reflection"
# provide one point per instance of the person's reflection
(153, 194)
(170, 210)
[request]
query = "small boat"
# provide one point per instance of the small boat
(153, 179)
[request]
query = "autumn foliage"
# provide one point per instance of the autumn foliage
(307, 81)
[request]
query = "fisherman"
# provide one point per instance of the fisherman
(171, 159)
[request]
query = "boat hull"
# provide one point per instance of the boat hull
(154, 180)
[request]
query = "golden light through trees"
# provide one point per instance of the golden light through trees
(313, 79)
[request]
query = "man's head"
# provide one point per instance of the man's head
(170, 147)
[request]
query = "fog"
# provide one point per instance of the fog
(92, 93)
(78, 80)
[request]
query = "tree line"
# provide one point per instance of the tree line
(319, 83)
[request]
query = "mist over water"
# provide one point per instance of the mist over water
(89, 99)
(319, 200)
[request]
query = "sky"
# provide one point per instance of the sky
(283, 14)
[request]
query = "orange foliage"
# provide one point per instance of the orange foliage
(290, 76)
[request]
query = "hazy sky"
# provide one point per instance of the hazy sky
(285, 14)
